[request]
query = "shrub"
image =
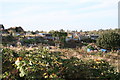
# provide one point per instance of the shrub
(109, 40)
(41, 64)
(89, 40)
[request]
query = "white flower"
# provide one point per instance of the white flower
(43, 56)
(30, 63)
(17, 62)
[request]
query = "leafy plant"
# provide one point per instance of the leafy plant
(42, 64)
(109, 40)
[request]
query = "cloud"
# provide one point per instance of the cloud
(68, 6)
(62, 17)
(68, 14)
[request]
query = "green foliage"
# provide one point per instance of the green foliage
(29, 41)
(109, 40)
(33, 33)
(8, 69)
(90, 47)
(100, 31)
(88, 40)
(42, 64)
(60, 36)
(8, 39)
(85, 44)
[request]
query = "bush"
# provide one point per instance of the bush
(29, 41)
(8, 40)
(89, 40)
(40, 64)
(109, 40)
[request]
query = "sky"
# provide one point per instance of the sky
(59, 14)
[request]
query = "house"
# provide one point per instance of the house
(48, 36)
(41, 34)
(93, 36)
(73, 36)
(69, 37)
(76, 36)
(28, 33)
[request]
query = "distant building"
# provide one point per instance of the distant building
(72, 36)
(93, 36)
(48, 36)
(41, 34)
(28, 33)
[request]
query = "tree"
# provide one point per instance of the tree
(33, 32)
(9, 40)
(29, 41)
(81, 31)
(109, 40)
(61, 30)
(36, 31)
(60, 36)
(51, 31)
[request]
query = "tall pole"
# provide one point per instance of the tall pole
(0, 52)
(118, 67)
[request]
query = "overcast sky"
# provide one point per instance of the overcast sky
(59, 14)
